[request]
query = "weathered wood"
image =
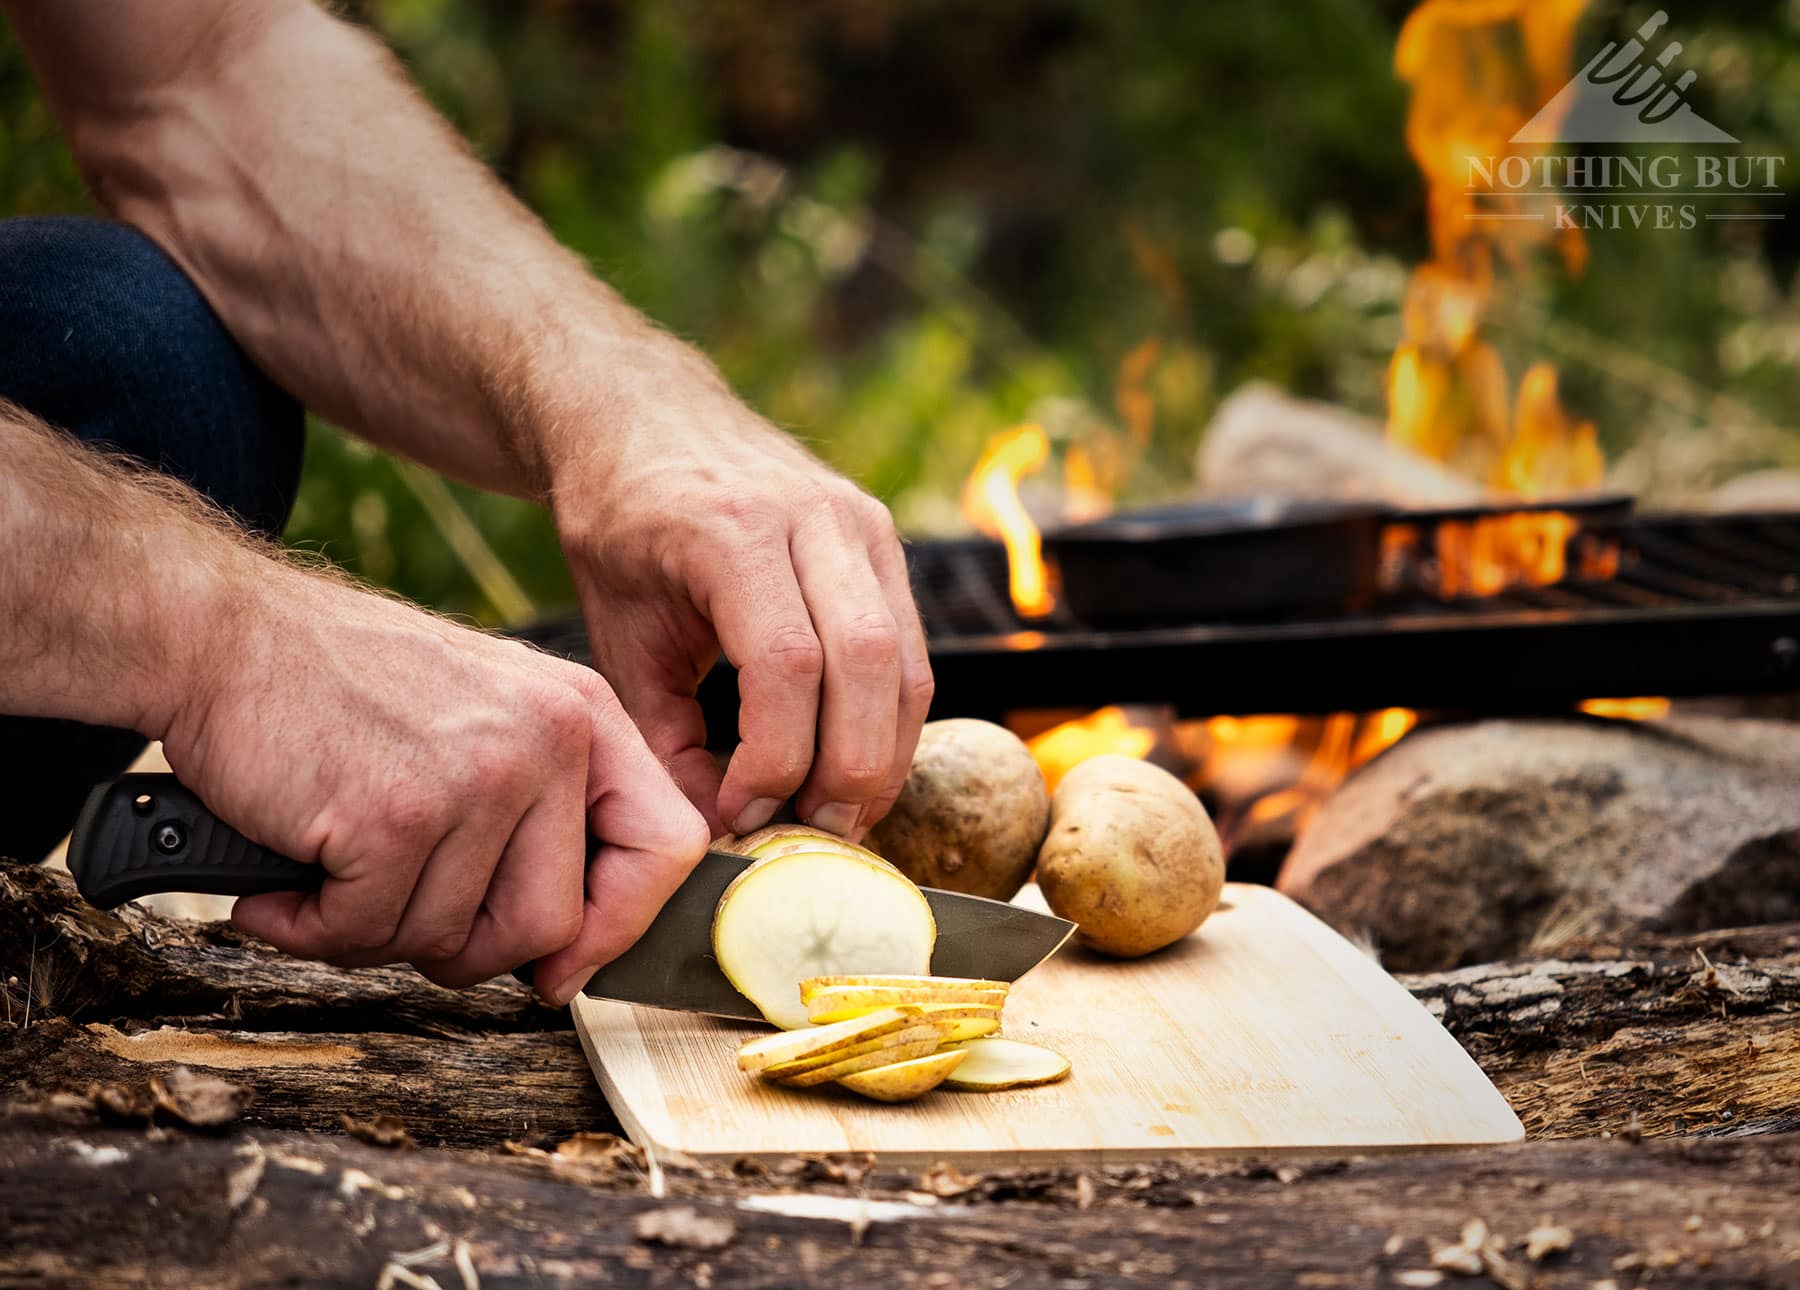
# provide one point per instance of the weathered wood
(1641, 1037)
(112, 1208)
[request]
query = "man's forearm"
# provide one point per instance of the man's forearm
(111, 582)
(342, 230)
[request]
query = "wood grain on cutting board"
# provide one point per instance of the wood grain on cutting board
(1265, 1031)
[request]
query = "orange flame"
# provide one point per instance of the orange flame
(1479, 69)
(1060, 749)
(991, 502)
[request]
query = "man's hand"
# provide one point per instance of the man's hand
(693, 527)
(272, 150)
(445, 779)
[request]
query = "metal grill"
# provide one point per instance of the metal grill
(1698, 605)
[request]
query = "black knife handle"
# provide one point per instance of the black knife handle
(142, 834)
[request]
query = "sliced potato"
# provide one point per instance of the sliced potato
(812, 985)
(792, 1045)
(825, 1012)
(804, 914)
(903, 1081)
(787, 838)
(866, 1061)
(966, 1028)
(996, 1064)
(940, 1031)
(839, 1002)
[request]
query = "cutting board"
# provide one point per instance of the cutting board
(1263, 1032)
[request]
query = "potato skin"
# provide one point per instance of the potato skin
(972, 813)
(1132, 857)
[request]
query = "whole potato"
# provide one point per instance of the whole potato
(1132, 857)
(972, 813)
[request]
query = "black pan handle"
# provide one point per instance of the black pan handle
(142, 834)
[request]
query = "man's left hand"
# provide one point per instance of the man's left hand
(694, 527)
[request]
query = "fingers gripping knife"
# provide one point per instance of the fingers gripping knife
(142, 834)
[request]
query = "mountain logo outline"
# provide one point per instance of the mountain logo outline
(1625, 94)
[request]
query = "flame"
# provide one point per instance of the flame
(1627, 709)
(1109, 730)
(1479, 69)
(991, 502)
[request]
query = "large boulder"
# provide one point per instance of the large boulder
(1264, 442)
(1467, 843)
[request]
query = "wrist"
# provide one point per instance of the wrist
(581, 391)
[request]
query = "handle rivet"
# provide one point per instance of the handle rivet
(169, 837)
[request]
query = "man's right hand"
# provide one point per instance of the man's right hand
(445, 779)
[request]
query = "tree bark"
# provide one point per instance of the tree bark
(116, 1209)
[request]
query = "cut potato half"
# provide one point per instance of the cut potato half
(903, 1081)
(812, 985)
(940, 1031)
(792, 1045)
(996, 1064)
(817, 913)
(839, 1002)
(866, 1061)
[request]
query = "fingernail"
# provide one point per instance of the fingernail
(836, 817)
(755, 815)
(567, 988)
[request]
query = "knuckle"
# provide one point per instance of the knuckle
(794, 651)
(858, 777)
(871, 642)
(565, 715)
(442, 943)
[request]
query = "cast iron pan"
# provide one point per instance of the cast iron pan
(1220, 560)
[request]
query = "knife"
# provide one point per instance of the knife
(141, 834)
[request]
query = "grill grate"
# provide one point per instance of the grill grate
(1699, 605)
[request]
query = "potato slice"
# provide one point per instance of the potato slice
(827, 1014)
(903, 1081)
(839, 1002)
(940, 1031)
(792, 1045)
(996, 1064)
(787, 838)
(815, 913)
(866, 1061)
(812, 985)
(972, 1027)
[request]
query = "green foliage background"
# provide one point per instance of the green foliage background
(900, 225)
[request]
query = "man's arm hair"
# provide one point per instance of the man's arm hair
(112, 581)
(343, 231)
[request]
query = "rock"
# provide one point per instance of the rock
(1261, 441)
(1467, 843)
(1763, 490)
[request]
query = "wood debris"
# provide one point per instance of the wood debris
(685, 1227)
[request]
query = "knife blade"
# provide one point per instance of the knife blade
(147, 833)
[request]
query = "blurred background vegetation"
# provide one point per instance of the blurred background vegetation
(901, 225)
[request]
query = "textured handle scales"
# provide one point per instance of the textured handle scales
(147, 833)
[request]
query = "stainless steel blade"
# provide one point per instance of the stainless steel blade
(672, 964)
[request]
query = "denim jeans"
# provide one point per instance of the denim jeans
(102, 336)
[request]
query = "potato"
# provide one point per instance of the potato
(1132, 857)
(903, 1081)
(972, 813)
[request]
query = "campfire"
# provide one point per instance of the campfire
(1476, 75)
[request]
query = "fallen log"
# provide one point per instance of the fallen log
(113, 1208)
(1664, 1035)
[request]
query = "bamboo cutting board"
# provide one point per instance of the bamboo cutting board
(1265, 1031)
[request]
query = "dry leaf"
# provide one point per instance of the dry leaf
(685, 1227)
(945, 1180)
(203, 1101)
(382, 1131)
